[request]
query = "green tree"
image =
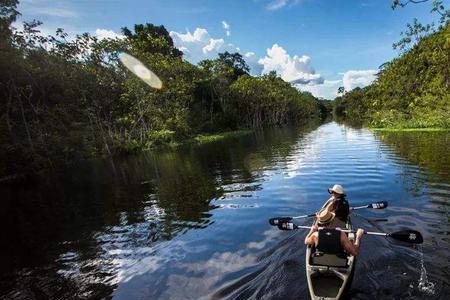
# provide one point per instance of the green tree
(149, 38)
(8, 14)
(235, 61)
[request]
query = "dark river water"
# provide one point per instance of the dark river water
(192, 223)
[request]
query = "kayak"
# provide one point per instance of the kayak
(330, 276)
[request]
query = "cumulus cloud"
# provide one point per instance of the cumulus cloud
(107, 34)
(277, 4)
(350, 80)
(252, 61)
(226, 26)
(358, 78)
(198, 45)
(296, 69)
(327, 90)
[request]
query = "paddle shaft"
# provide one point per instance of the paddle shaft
(346, 230)
(359, 207)
(278, 220)
(304, 216)
(313, 215)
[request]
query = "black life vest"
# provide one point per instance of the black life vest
(342, 209)
(329, 241)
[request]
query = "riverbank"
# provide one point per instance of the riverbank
(200, 139)
(394, 129)
(209, 138)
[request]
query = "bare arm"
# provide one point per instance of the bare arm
(350, 248)
(311, 238)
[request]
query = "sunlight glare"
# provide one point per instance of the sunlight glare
(141, 71)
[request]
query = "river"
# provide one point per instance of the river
(192, 223)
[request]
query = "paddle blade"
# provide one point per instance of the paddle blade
(408, 236)
(287, 226)
(278, 221)
(379, 205)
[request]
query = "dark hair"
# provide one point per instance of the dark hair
(339, 195)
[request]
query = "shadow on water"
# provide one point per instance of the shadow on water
(82, 231)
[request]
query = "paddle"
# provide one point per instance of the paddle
(408, 236)
(376, 205)
(278, 220)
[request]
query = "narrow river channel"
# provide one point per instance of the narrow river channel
(192, 223)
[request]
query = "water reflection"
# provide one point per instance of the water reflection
(192, 223)
(84, 230)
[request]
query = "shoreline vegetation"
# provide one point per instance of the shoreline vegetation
(68, 99)
(395, 129)
(411, 92)
(202, 139)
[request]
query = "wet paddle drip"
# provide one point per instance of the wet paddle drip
(424, 284)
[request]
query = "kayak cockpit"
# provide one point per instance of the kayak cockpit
(329, 275)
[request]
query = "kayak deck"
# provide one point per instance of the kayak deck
(329, 276)
(326, 286)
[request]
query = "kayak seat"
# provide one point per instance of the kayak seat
(329, 260)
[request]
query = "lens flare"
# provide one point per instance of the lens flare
(141, 71)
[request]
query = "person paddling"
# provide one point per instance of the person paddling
(337, 203)
(332, 241)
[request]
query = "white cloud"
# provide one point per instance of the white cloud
(107, 34)
(252, 61)
(277, 4)
(350, 80)
(358, 78)
(327, 90)
(226, 26)
(296, 69)
(199, 45)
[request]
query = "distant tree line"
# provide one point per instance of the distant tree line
(65, 99)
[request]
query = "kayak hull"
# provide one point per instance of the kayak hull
(329, 276)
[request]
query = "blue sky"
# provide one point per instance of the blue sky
(320, 44)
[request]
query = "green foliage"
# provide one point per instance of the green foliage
(208, 138)
(236, 62)
(8, 14)
(149, 38)
(411, 90)
(269, 100)
(70, 99)
(416, 31)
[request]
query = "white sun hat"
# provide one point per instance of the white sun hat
(338, 189)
